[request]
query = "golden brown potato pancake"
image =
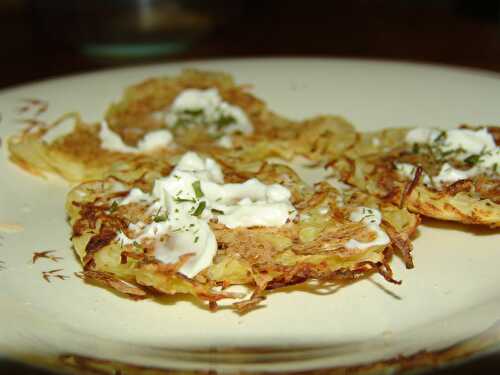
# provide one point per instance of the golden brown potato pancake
(80, 155)
(413, 175)
(310, 248)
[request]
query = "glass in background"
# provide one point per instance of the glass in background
(130, 29)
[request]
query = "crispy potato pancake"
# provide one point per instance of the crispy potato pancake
(377, 164)
(311, 248)
(273, 135)
(79, 155)
(332, 234)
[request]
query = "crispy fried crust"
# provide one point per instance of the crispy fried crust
(310, 248)
(370, 166)
(315, 138)
(78, 156)
(261, 258)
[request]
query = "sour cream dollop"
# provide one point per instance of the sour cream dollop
(206, 107)
(474, 147)
(372, 218)
(152, 140)
(184, 202)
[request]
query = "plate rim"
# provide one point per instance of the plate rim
(416, 64)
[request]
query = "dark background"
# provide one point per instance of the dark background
(47, 38)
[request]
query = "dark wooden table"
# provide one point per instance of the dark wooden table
(455, 32)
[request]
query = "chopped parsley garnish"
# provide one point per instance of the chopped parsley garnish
(440, 137)
(160, 218)
(113, 207)
(448, 153)
(216, 211)
(199, 210)
(193, 112)
(224, 120)
(197, 189)
(416, 148)
(367, 210)
(196, 239)
(495, 167)
(473, 159)
(181, 200)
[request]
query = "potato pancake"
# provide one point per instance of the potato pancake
(448, 175)
(184, 103)
(79, 155)
(199, 231)
(164, 117)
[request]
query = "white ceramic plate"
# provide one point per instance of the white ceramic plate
(450, 296)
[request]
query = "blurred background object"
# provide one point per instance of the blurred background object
(128, 28)
(45, 38)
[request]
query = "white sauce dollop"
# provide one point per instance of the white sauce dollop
(195, 193)
(372, 218)
(461, 144)
(225, 142)
(449, 175)
(193, 106)
(152, 140)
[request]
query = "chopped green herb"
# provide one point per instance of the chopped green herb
(181, 200)
(441, 137)
(216, 211)
(196, 239)
(197, 189)
(160, 218)
(486, 152)
(448, 153)
(193, 112)
(224, 121)
(113, 207)
(198, 211)
(495, 167)
(472, 159)
(416, 148)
